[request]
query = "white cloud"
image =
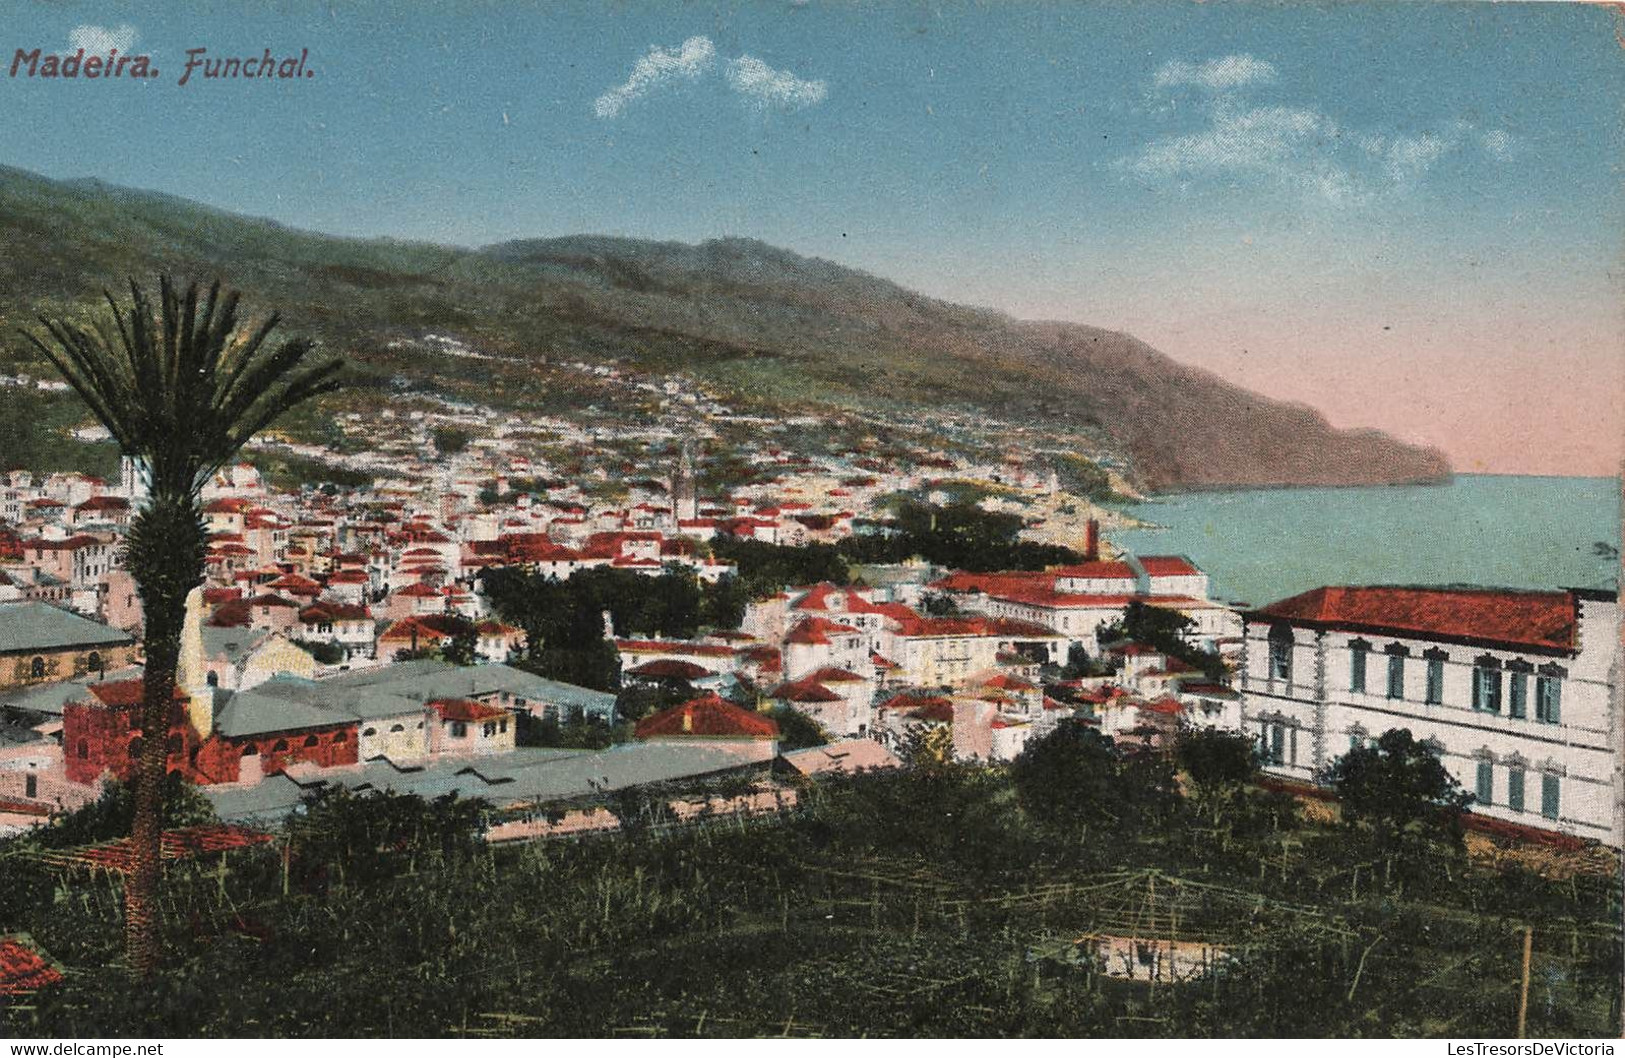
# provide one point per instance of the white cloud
(660, 67)
(1408, 158)
(1226, 72)
(1260, 140)
(1498, 144)
(1296, 147)
(99, 40)
(755, 81)
(768, 88)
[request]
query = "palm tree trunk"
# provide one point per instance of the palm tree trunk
(164, 550)
(143, 924)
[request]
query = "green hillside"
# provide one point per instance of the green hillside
(768, 329)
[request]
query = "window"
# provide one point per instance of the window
(502, 727)
(1396, 672)
(459, 729)
(1435, 685)
(281, 746)
(84, 749)
(1281, 653)
(312, 740)
(489, 730)
(36, 668)
(1277, 750)
(93, 661)
(1550, 796)
(395, 728)
(1357, 655)
(1487, 685)
(1515, 788)
(212, 679)
(342, 736)
(1549, 695)
(1518, 689)
(1486, 783)
(369, 732)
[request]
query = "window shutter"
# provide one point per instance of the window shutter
(1515, 789)
(1550, 796)
(1486, 783)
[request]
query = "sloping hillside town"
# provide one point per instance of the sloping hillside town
(349, 637)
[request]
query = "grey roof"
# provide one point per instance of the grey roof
(427, 679)
(286, 702)
(37, 627)
(49, 698)
(253, 712)
(365, 702)
(522, 775)
(235, 643)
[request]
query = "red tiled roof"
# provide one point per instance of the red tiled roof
(831, 674)
(125, 692)
(815, 631)
(429, 628)
(465, 710)
(173, 845)
(1533, 620)
(105, 503)
(805, 690)
(23, 969)
(1099, 570)
(1168, 566)
(333, 611)
(1006, 682)
(668, 669)
(709, 716)
(232, 614)
(673, 646)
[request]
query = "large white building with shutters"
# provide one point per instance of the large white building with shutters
(1517, 690)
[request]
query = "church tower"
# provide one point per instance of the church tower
(684, 504)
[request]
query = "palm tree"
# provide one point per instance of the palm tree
(180, 390)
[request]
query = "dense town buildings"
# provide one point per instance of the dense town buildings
(318, 650)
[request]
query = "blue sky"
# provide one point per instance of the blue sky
(1407, 215)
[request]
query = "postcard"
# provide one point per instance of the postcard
(804, 520)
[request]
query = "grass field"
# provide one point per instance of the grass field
(896, 905)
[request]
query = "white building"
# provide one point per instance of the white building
(1515, 689)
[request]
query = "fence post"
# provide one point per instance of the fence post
(1523, 995)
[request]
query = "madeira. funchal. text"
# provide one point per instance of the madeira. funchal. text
(37, 63)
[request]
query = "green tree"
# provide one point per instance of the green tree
(111, 815)
(1398, 785)
(462, 647)
(1069, 777)
(1218, 764)
(449, 440)
(1076, 778)
(797, 730)
(181, 387)
(1162, 628)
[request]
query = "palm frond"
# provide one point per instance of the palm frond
(180, 384)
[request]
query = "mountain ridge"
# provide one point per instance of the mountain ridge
(762, 324)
